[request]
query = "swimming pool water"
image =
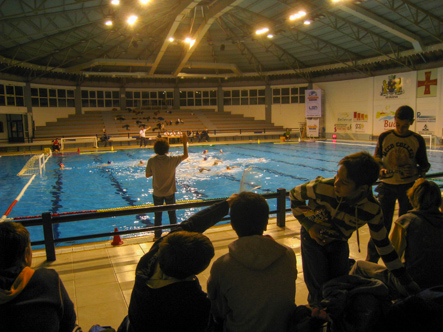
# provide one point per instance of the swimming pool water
(90, 183)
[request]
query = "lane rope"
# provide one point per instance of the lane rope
(3, 218)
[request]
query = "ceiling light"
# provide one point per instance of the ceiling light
(108, 22)
(261, 31)
(295, 16)
(270, 36)
(307, 22)
(115, 2)
(171, 39)
(131, 20)
(190, 41)
(144, 2)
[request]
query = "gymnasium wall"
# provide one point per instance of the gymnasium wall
(364, 108)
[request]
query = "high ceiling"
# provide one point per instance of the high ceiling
(68, 39)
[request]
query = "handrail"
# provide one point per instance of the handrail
(47, 220)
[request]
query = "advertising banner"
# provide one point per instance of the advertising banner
(312, 127)
(426, 122)
(313, 103)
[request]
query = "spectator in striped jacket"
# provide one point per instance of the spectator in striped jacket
(336, 208)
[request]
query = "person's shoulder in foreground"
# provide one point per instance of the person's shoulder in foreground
(252, 288)
(166, 285)
(30, 300)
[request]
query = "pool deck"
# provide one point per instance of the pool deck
(99, 277)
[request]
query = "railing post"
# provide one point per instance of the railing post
(48, 236)
(281, 207)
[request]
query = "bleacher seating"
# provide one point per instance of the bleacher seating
(127, 123)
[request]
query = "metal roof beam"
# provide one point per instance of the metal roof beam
(215, 12)
(182, 11)
(375, 42)
(416, 16)
(384, 24)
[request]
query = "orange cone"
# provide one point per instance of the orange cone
(117, 240)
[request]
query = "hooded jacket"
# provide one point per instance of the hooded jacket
(252, 288)
(34, 301)
(417, 236)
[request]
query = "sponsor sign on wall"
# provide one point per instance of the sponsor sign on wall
(384, 118)
(312, 127)
(426, 122)
(313, 103)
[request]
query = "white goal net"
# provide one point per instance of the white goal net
(77, 140)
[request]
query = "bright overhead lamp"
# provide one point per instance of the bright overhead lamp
(307, 22)
(171, 39)
(115, 2)
(144, 2)
(270, 35)
(108, 22)
(190, 41)
(295, 16)
(131, 20)
(261, 31)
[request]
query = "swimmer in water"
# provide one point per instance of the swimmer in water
(228, 168)
(221, 151)
(205, 151)
(201, 170)
(104, 165)
(141, 163)
(216, 162)
(61, 166)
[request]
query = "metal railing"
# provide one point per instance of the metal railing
(47, 220)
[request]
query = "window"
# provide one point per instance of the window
(96, 98)
(198, 98)
(146, 99)
(288, 95)
(244, 97)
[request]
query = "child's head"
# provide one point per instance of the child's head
(15, 245)
(404, 118)
(184, 254)
(424, 195)
(357, 173)
(249, 214)
(161, 147)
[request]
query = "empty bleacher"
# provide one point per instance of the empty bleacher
(127, 123)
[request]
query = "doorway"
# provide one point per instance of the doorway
(16, 132)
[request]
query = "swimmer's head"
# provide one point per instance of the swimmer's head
(205, 158)
(141, 161)
(109, 162)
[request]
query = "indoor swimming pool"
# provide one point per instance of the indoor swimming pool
(89, 182)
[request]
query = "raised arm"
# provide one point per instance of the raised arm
(185, 146)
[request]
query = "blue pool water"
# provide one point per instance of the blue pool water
(89, 183)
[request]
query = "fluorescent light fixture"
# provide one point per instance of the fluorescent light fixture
(307, 22)
(115, 2)
(270, 36)
(295, 16)
(171, 39)
(261, 31)
(108, 22)
(131, 20)
(144, 2)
